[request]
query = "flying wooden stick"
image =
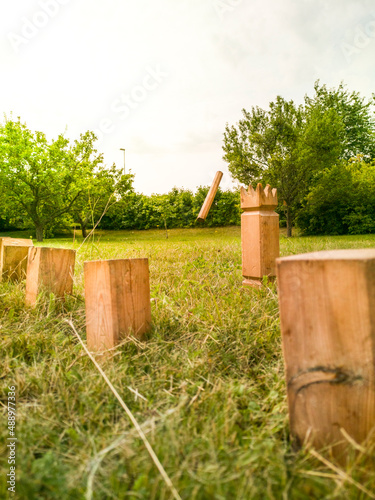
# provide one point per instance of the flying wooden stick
(210, 196)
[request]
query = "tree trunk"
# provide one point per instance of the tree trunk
(84, 230)
(288, 222)
(83, 223)
(39, 233)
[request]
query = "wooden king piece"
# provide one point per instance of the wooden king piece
(259, 234)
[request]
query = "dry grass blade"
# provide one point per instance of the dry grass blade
(352, 441)
(137, 394)
(141, 434)
(342, 474)
(96, 461)
(321, 474)
(96, 225)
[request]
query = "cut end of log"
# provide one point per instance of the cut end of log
(364, 254)
(257, 282)
(254, 283)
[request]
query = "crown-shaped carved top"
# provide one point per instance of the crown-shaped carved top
(259, 197)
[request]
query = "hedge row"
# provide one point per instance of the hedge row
(178, 208)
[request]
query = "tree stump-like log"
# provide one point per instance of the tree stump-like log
(117, 294)
(13, 258)
(327, 311)
(51, 270)
(259, 234)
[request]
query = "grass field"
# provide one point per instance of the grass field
(211, 393)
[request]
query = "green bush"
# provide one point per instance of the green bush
(342, 201)
(177, 209)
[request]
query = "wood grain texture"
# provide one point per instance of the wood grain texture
(13, 258)
(24, 242)
(117, 294)
(210, 197)
(327, 312)
(49, 269)
(259, 234)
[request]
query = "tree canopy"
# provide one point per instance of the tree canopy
(342, 201)
(357, 117)
(42, 181)
(105, 188)
(288, 145)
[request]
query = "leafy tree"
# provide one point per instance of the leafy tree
(328, 202)
(284, 146)
(106, 187)
(356, 114)
(342, 200)
(42, 180)
(362, 219)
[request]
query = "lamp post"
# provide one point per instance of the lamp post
(123, 149)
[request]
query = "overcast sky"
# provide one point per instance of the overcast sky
(161, 78)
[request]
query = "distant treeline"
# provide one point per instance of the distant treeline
(178, 208)
(54, 185)
(341, 201)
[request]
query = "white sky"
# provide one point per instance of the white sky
(161, 78)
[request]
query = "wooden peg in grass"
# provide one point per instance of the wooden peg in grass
(49, 269)
(259, 234)
(13, 258)
(117, 294)
(210, 197)
(327, 312)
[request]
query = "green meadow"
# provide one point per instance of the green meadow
(207, 384)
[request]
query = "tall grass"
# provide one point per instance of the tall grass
(207, 385)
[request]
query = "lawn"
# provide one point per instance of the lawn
(207, 385)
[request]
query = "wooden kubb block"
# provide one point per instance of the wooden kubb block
(51, 270)
(327, 312)
(117, 294)
(259, 234)
(13, 258)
